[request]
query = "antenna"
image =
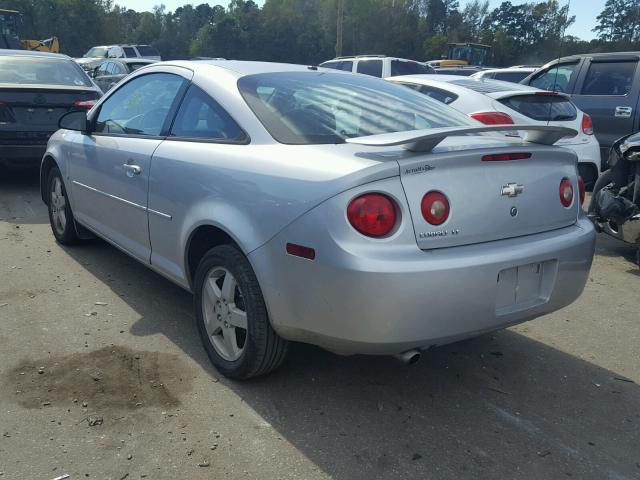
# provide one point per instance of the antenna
(555, 79)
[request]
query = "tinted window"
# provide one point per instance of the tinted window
(139, 107)
(609, 78)
(129, 52)
(102, 69)
(554, 108)
(400, 67)
(201, 117)
(333, 65)
(370, 67)
(42, 71)
(110, 68)
(555, 79)
(118, 68)
(135, 66)
(312, 108)
(514, 77)
(437, 94)
(346, 65)
(147, 51)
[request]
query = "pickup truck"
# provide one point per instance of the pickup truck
(604, 85)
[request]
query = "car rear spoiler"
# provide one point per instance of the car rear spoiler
(426, 140)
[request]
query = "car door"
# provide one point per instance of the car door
(607, 90)
(110, 166)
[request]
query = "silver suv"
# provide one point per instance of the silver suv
(95, 55)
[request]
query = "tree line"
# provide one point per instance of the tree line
(304, 31)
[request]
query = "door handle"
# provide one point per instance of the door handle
(131, 170)
(623, 112)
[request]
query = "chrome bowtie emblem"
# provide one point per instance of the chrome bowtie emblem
(512, 190)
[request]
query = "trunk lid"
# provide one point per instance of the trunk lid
(481, 208)
(38, 108)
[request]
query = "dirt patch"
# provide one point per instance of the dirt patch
(112, 377)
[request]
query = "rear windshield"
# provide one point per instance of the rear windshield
(488, 86)
(147, 51)
(546, 108)
(400, 67)
(42, 71)
(97, 52)
(514, 77)
(135, 66)
(313, 107)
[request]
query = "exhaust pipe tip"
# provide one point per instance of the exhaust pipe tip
(409, 357)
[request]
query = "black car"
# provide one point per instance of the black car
(111, 71)
(36, 89)
(604, 85)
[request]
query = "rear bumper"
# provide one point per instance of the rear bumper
(362, 302)
(21, 155)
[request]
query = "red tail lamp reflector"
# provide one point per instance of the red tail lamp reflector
(85, 104)
(504, 157)
(566, 192)
(582, 189)
(372, 214)
(435, 207)
(587, 124)
(301, 251)
(492, 118)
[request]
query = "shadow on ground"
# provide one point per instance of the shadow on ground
(20, 199)
(499, 406)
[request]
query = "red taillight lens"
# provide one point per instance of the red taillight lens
(85, 104)
(587, 124)
(435, 207)
(581, 189)
(372, 214)
(492, 118)
(566, 192)
(503, 157)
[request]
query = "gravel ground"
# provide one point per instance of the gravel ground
(103, 376)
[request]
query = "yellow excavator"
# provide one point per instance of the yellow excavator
(464, 54)
(9, 22)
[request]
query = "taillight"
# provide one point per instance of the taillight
(372, 214)
(492, 118)
(85, 104)
(504, 157)
(435, 207)
(587, 124)
(566, 192)
(581, 189)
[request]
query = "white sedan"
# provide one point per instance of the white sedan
(494, 102)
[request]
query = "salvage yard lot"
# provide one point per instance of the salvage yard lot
(103, 375)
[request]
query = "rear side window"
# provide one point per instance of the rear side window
(147, 51)
(400, 67)
(514, 77)
(370, 67)
(556, 79)
(609, 78)
(129, 52)
(436, 93)
(333, 65)
(346, 65)
(201, 117)
(544, 108)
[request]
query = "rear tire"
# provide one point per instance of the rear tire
(60, 213)
(232, 317)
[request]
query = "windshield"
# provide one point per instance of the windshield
(42, 71)
(97, 52)
(313, 107)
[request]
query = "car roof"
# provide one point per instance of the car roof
(131, 60)
(509, 69)
(241, 68)
(361, 57)
(478, 85)
(615, 55)
(28, 53)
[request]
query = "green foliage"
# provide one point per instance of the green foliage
(304, 31)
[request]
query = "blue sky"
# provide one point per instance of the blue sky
(585, 11)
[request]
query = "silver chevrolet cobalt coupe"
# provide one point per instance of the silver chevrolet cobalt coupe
(309, 205)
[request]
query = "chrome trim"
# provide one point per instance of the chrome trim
(108, 195)
(511, 190)
(160, 214)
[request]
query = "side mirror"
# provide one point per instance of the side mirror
(74, 121)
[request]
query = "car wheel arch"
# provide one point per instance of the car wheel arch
(201, 239)
(48, 163)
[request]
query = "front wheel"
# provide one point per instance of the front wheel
(232, 316)
(60, 214)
